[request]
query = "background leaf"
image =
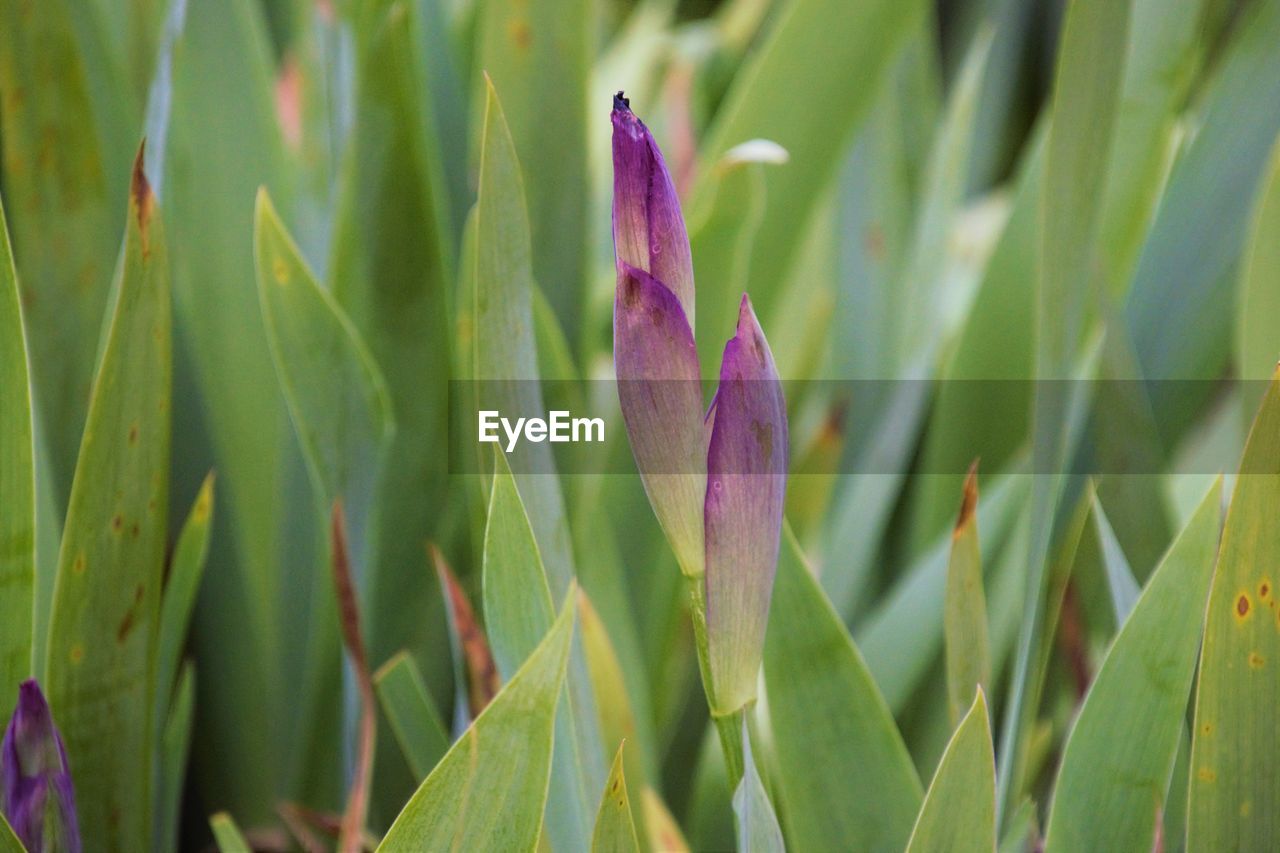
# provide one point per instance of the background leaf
(1115, 771)
(844, 774)
(106, 606)
(959, 811)
(490, 787)
(17, 482)
(1235, 801)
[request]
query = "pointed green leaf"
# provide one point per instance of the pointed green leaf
(413, 716)
(964, 615)
(505, 350)
(1115, 770)
(106, 605)
(959, 811)
(68, 132)
(615, 830)
(248, 633)
(807, 87)
(17, 481)
(518, 610)
(757, 825)
(227, 835)
(617, 719)
(175, 745)
(1179, 325)
(179, 595)
(1258, 320)
(1235, 795)
(529, 50)
(845, 777)
(391, 270)
(336, 396)
(1124, 589)
(900, 639)
(488, 791)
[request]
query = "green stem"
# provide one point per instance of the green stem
(729, 725)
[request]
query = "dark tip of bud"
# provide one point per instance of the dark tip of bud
(621, 102)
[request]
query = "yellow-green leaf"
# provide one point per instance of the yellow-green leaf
(106, 605)
(615, 831)
(1235, 792)
(1115, 770)
(965, 609)
(959, 812)
(227, 835)
(845, 777)
(1258, 341)
(414, 719)
(17, 481)
(488, 791)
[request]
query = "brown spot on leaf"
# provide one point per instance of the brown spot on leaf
(968, 499)
(143, 199)
(78, 566)
(133, 434)
(1204, 774)
(117, 523)
(521, 34)
(1242, 606)
(131, 615)
(76, 654)
(135, 530)
(1256, 661)
(1264, 589)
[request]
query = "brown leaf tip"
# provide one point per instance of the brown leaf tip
(969, 499)
(143, 198)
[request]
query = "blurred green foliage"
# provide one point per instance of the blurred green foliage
(346, 209)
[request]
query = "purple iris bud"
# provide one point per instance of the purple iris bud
(746, 488)
(660, 393)
(648, 228)
(35, 783)
(716, 483)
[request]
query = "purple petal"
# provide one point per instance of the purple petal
(661, 398)
(36, 794)
(648, 228)
(746, 486)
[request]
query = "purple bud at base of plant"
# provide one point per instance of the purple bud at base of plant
(36, 793)
(746, 489)
(660, 394)
(648, 228)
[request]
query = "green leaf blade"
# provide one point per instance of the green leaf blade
(615, 830)
(106, 607)
(489, 789)
(1235, 796)
(1115, 770)
(845, 776)
(17, 481)
(959, 811)
(414, 719)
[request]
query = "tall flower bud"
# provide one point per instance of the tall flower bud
(655, 360)
(35, 784)
(746, 488)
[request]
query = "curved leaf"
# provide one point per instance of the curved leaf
(1115, 769)
(959, 812)
(488, 791)
(845, 776)
(106, 603)
(1235, 795)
